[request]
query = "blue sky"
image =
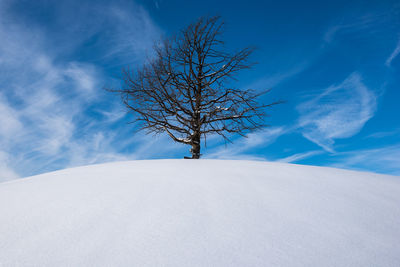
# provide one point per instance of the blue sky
(336, 63)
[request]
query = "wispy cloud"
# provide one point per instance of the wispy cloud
(340, 111)
(135, 33)
(300, 156)
(6, 173)
(385, 134)
(53, 110)
(393, 55)
(385, 159)
(353, 24)
(10, 124)
(272, 80)
(238, 149)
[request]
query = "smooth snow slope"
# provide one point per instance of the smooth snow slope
(200, 213)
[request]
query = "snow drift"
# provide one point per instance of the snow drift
(200, 213)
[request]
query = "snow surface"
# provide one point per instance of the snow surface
(200, 213)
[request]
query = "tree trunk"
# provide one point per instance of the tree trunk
(195, 146)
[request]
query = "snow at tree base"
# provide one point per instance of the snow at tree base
(200, 213)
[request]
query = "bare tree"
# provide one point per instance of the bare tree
(183, 90)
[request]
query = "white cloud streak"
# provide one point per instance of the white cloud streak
(254, 140)
(393, 55)
(9, 121)
(273, 80)
(6, 173)
(45, 100)
(385, 134)
(300, 156)
(340, 111)
(356, 24)
(385, 159)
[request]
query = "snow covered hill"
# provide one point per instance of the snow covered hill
(200, 213)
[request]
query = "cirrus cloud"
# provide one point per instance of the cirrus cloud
(340, 111)
(52, 105)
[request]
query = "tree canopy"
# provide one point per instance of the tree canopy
(183, 90)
